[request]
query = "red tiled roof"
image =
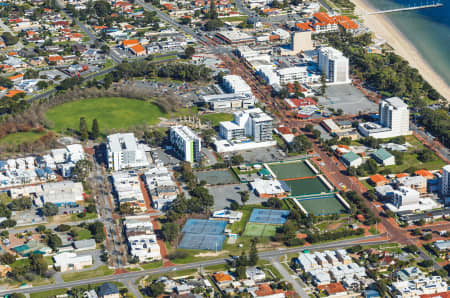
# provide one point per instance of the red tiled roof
(436, 295)
(266, 290)
(333, 288)
(378, 178)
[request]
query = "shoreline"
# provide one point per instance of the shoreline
(382, 27)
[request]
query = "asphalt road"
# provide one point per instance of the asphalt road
(288, 277)
(162, 270)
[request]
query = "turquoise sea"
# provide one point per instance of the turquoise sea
(427, 29)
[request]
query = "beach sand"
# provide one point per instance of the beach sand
(383, 28)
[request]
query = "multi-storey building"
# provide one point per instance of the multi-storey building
(124, 152)
(235, 84)
(252, 123)
(334, 65)
(445, 181)
(186, 143)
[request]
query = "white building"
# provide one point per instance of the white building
(124, 152)
(445, 181)
(229, 101)
(408, 199)
(334, 65)
(127, 188)
(163, 190)
(186, 143)
(270, 188)
(296, 74)
(250, 123)
(420, 286)
(70, 261)
(235, 84)
(394, 120)
(63, 193)
(142, 240)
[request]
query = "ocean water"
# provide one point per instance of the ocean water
(427, 29)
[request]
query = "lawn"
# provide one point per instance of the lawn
(21, 137)
(75, 217)
(151, 265)
(215, 119)
(234, 19)
(49, 293)
(410, 160)
(111, 112)
(83, 234)
(100, 271)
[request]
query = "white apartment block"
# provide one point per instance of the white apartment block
(127, 188)
(296, 74)
(235, 84)
(229, 101)
(251, 123)
(394, 120)
(334, 65)
(445, 181)
(163, 190)
(141, 238)
(420, 286)
(124, 152)
(186, 143)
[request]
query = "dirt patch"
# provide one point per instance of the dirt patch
(211, 254)
(334, 226)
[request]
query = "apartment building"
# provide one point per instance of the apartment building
(235, 84)
(127, 189)
(252, 123)
(163, 190)
(296, 74)
(334, 65)
(187, 144)
(124, 152)
(141, 238)
(445, 181)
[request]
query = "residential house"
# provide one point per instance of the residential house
(255, 274)
(108, 290)
(223, 279)
(333, 289)
(378, 180)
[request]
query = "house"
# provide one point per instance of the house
(4, 270)
(223, 278)
(383, 157)
(255, 274)
(333, 289)
(409, 273)
(55, 59)
(70, 261)
(425, 174)
(378, 180)
(351, 159)
(108, 290)
(128, 43)
(264, 290)
(138, 50)
(442, 246)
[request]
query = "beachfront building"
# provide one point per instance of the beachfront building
(186, 143)
(124, 152)
(394, 120)
(334, 65)
(250, 123)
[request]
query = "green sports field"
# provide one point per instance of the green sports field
(307, 186)
(323, 206)
(260, 230)
(288, 170)
(111, 112)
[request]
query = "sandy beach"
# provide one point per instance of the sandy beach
(383, 28)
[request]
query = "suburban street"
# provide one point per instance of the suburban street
(134, 275)
(288, 277)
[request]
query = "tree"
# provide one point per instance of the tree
(156, 289)
(21, 204)
(63, 228)
(237, 159)
(54, 241)
(300, 144)
(84, 132)
(274, 203)
(49, 209)
(426, 263)
(42, 84)
(427, 237)
(40, 229)
(245, 196)
(412, 249)
(309, 127)
(212, 25)
(253, 254)
(96, 229)
(189, 52)
(316, 134)
(212, 10)
(81, 170)
(38, 264)
(9, 38)
(351, 171)
(95, 129)
(323, 86)
(17, 295)
(170, 231)
(7, 258)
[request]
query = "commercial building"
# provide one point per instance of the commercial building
(270, 188)
(186, 143)
(141, 238)
(229, 101)
(70, 261)
(235, 37)
(296, 74)
(301, 41)
(394, 120)
(417, 183)
(127, 188)
(351, 159)
(445, 181)
(383, 157)
(235, 84)
(64, 193)
(161, 187)
(252, 123)
(408, 199)
(87, 244)
(124, 152)
(334, 65)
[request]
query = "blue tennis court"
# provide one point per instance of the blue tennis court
(269, 216)
(204, 226)
(203, 234)
(202, 241)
